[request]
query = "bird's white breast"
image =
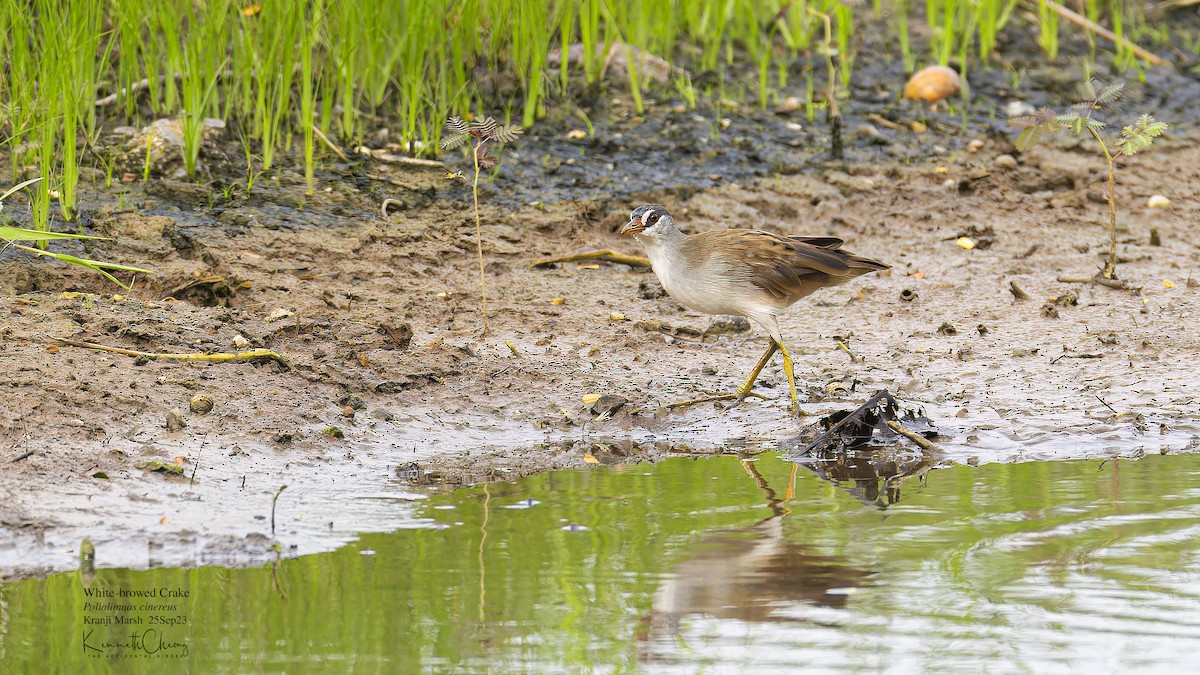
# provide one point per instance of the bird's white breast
(706, 286)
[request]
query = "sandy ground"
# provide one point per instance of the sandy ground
(389, 383)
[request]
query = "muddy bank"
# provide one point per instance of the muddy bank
(378, 320)
(389, 388)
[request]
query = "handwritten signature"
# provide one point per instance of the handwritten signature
(150, 641)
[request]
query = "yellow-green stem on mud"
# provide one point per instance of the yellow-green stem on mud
(1110, 263)
(479, 240)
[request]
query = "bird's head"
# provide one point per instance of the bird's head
(651, 220)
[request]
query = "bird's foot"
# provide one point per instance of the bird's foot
(795, 410)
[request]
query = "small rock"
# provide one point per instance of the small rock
(240, 342)
(789, 104)
(869, 131)
(1018, 109)
(1158, 202)
(974, 145)
(160, 466)
(650, 290)
(608, 404)
(353, 401)
(175, 420)
(947, 329)
(1005, 162)
(278, 315)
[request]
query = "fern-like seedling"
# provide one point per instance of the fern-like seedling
(1080, 118)
(1140, 135)
(486, 133)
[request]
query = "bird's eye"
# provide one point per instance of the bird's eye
(652, 217)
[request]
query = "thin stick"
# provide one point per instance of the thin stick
(329, 144)
(710, 399)
(384, 156)
(1118, 284)
(112, 98)
(1089, 25)
(606, 255)
(197, 466)
(911, 435)
(220, 357)
(846, 348)
(273, 500)
(1106, 405)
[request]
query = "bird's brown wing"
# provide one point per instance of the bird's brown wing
(790, 268)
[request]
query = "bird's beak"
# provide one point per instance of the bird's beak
(633, 227)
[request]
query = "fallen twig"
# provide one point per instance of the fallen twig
(112, 98)
(329, 144)
(606, 255)
(911, 435)
(854, 358)
(219, 357)
(710, 399)
(1091, 26)
(384, 156)
(273, 500)
(1119, 284)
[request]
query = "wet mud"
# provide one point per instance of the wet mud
(390, 388)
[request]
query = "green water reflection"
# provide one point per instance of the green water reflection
(689, 565)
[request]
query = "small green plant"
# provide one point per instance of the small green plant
(149, 156)
(832, 115)
(13, 236)
(1080, 119)
(486, 134)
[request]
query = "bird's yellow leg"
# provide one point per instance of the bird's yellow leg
(744, 390)
(788, 369)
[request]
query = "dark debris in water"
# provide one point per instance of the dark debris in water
(865, 428)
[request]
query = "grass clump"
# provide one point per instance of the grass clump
(15, 236)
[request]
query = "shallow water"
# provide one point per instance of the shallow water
(688, 565)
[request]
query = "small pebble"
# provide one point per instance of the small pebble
(869, 131)
(1005, 162)
(240, 342)
(1158, 202)
(789, 104)
(175, 420)
(1018, 109)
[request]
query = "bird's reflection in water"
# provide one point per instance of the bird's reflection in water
(746, 575)
(873, 478)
